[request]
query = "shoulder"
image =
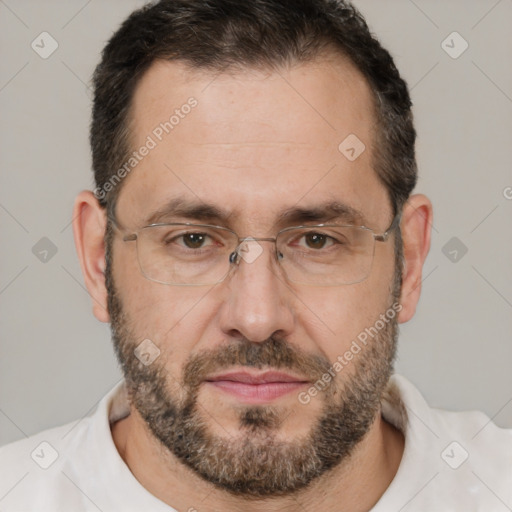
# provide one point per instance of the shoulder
(33, 470)
(474, 428)
(477, 455)
(57, 469)
(455, 460)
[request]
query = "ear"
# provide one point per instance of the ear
(89, 223)
(416, 227)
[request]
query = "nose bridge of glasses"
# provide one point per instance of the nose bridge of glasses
(248, 249)
(255, 239)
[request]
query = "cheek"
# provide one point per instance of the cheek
(174, 318)
(336, 316)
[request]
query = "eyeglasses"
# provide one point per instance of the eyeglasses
(186, 254)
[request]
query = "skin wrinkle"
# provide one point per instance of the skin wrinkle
(248, 144)
(179, 210)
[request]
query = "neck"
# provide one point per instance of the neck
(356, 484)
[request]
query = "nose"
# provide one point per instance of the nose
(258, 303)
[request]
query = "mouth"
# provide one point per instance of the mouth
(256, 387)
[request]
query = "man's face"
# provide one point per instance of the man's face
(257, 144)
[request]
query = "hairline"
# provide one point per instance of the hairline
(327, 53)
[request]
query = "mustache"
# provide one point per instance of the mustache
(274, 352)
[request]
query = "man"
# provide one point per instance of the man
(253, 241)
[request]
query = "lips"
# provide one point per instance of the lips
(256, 387)
(259, 378)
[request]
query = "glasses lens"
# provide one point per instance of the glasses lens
(180, 254)
(327, 255)
(185, 254)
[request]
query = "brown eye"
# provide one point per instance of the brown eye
(316, 240)
(194, 240)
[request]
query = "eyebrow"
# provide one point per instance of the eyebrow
(180, 208)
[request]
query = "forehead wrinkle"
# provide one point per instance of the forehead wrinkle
(253, 144)
(177, 208)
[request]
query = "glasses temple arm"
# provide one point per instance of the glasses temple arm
(394, 224)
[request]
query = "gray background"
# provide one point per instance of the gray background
(56, 360)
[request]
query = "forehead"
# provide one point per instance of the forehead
(255, 141)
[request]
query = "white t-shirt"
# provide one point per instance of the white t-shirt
(451, 462)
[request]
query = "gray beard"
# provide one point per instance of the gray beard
(256, 463)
